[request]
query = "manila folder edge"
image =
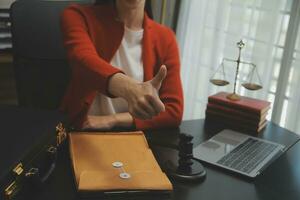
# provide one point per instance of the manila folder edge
(93, 154)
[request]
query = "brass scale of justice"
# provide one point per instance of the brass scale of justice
(248, 85)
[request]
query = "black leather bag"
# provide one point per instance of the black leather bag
(29, 143)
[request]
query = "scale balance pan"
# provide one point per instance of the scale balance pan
(252, 86)
(219, 82)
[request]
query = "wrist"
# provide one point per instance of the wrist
(123, 120)
(121, 85)
(113, 121)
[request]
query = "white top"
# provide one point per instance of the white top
(128, 58)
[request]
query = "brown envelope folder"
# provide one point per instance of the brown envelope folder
(93, 153)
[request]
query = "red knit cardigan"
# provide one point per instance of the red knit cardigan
(92, 34)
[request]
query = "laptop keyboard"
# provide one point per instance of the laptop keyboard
(247, 155)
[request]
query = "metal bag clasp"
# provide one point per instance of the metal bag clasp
(11, 191)
(61, 134)
(18, 170)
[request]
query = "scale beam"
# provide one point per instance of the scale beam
(248, 85)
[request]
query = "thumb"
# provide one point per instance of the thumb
(159, 77)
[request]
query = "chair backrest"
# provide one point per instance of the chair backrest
(41, 68)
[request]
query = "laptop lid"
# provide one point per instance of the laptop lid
(238, 152)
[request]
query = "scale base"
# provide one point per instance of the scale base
(196, 172)
(233, 97)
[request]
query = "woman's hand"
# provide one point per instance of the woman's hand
(103, 123)
(143, 99)
(108, 122)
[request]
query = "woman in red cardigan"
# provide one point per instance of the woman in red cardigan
(125, 68)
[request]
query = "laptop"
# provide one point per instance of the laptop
(238, 152)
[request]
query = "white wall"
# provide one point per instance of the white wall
(6, 3)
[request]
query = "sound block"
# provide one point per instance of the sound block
(195, 172)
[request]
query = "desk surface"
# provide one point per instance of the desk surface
(281, 180)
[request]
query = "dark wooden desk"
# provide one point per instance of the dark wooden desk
(281, 180)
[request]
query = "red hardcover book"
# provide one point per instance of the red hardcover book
(234, 118)
(218, 121)
(245, 103)
(236, 112)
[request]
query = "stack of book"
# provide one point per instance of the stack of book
(5, 34)
(247, 114)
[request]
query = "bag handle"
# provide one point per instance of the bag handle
(34, 174)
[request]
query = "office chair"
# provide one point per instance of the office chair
(41, 68)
